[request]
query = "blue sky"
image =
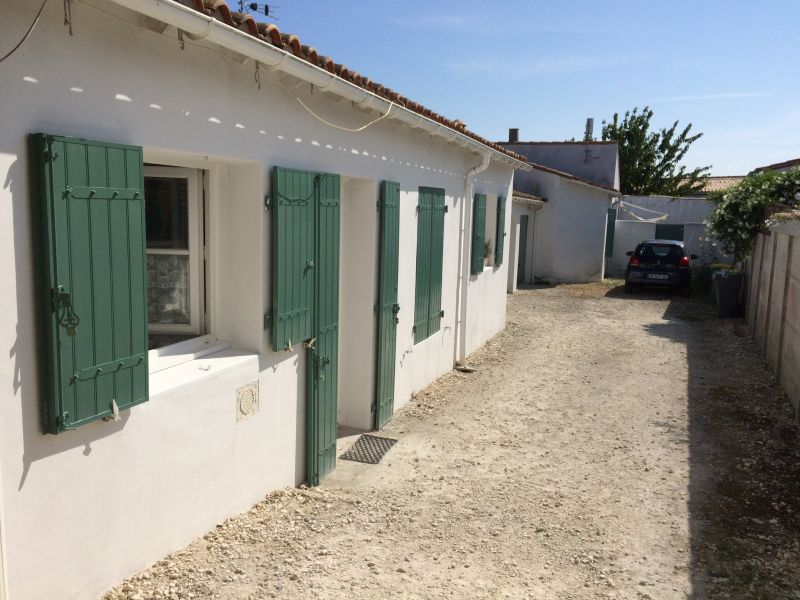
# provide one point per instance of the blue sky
(730, 68)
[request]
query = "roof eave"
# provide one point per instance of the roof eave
(197, 25)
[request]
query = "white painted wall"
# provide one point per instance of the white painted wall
(678, 210)
(358, 284)
(571, 229)
(179, 463)
(627, 235)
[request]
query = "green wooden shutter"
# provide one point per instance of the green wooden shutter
(293, 262)
(438, 209)
(610, 228)
(478, 233)
(92, 296)
(422, 291)
(500, 243)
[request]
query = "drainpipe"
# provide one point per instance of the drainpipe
(465, 220)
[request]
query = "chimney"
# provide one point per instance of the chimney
(513, 135)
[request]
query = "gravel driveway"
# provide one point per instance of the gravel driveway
(607, 446)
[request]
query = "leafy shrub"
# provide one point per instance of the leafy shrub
(742, 211)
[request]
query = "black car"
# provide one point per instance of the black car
(661, 263)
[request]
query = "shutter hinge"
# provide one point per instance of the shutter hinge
(378, 204)
(446, 208)
(63, 422)
(267, 202)
(267, 320)
(414, 329)
(441, 314)
(375, 308)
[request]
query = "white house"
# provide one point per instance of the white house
(580, 183)
(220, 245)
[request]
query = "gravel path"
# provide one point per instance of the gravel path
(607, 446)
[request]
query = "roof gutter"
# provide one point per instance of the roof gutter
(199, 26)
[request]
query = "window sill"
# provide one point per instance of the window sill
(176, 354)
(194, 371)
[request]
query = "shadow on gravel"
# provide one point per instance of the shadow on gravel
(744, 455)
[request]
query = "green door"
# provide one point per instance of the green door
(322, 353)
(305, 296)
(523, 249)
(611, 223)
(387, 302)
(669, 232)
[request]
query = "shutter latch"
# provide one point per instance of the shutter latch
(114, 416)
(62, 304)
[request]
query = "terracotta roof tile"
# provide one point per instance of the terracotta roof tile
(720, 183)
(269, 33)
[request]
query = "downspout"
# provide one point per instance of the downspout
(465, 220)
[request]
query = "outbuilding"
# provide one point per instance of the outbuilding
(220, 246)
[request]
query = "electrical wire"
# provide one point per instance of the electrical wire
(27, 33)
(625, 206)
(329, 124)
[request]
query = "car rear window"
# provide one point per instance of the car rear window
(660, 251)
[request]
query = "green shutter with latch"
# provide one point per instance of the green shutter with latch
(89, 206)
(438, 209)
(293, 205)
(478, 233)
(500, 243)
(422, 291)
(430, 255)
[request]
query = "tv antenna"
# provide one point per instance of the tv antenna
(256, 7)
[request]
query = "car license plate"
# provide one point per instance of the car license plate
(657, 276)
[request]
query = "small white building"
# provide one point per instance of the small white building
(220, 246)
(566, 238)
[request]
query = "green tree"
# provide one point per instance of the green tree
(649, 160)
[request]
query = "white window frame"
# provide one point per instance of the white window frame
(196, 309)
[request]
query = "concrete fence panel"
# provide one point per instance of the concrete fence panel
(773, 304)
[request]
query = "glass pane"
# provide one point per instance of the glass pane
(168, 289)
(167, 212)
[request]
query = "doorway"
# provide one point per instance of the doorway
(522, 251)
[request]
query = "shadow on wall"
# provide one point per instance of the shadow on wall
(744, 446)
(24, 351)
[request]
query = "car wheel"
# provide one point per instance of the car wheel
(628, 288)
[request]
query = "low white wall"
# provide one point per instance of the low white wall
(678, 210)
(358, 277)
(627, 235)
(773, 304)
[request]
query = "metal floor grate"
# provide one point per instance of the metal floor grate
(368, 449)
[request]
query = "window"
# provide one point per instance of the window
(174, 261)
(430, 249)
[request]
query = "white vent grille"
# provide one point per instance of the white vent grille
(247, 401)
